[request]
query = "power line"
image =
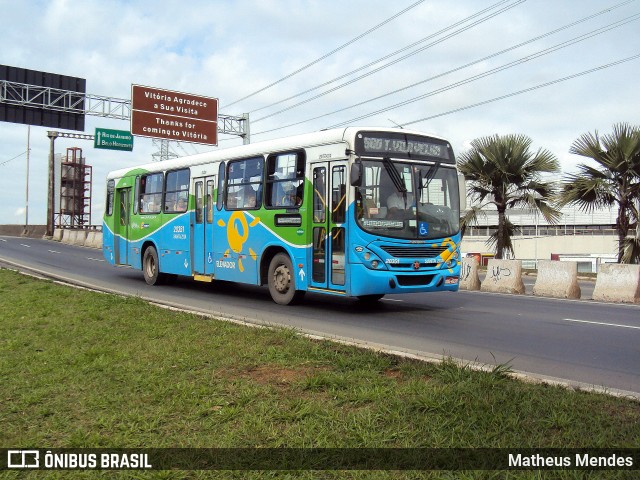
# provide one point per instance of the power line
(506, 66)
(536, 87)
(428, 37)
(12, 159)
(495, 54)
(393, 62)
(495, 70)
(353, 40)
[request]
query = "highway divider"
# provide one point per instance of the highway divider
(557, 279)
(617, 283)
(77, 237)
(469, 278)
(503, 276)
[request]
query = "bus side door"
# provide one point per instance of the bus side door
(328, 225)
(121, 233)
(202, 225)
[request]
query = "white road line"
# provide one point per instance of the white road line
(601, 323)
(2, 240)
(54, 251)
(96, 259)
(25, 245)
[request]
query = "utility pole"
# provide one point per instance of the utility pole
(26, 205)
(51, 191)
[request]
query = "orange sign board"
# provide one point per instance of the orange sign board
(173, 115)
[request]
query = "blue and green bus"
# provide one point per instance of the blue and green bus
(357, 212)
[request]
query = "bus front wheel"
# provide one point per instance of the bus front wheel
(282, 280)
(151, 267)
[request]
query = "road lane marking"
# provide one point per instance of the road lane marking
(54, 251)
(601, 323)
(25, 245)
(96, 259)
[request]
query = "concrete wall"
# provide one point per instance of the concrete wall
(542, 247)
(31, 231)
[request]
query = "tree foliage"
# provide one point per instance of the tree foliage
(503, 171)
(613, 181)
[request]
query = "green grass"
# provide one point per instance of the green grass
(83, 369)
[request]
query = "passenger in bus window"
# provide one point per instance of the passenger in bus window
(181, 206)
(292, 195)
(249, 197)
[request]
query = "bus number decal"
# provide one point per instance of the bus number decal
(178, 232)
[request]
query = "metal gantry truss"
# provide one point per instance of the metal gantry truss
(56, 99)
(21, 94)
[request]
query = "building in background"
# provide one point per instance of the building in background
(587, 238)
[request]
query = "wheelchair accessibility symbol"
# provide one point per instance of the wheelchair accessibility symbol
(423, 230)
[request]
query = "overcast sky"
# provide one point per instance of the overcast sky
(231, 49)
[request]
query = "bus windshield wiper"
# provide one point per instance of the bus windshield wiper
(429, 175)
(395, 176)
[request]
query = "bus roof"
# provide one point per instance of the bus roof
(323, 137)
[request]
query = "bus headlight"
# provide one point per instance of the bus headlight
(369, 258)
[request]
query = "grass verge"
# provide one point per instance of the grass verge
(80, 369)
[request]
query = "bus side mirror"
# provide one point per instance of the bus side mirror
(356, 174)
(462, 192)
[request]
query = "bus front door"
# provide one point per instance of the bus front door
(202, 225)
(328, 226)
(121, 235)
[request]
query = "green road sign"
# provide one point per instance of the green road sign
(113, 139)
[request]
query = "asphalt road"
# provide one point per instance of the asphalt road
(581, 342)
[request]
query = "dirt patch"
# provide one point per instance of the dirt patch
(271, 374)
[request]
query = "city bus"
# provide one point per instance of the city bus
(352, 212)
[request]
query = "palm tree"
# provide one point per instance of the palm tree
(502, 171)
(614, 181)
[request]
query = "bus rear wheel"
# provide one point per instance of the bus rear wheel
(151, 267)
(282, 280)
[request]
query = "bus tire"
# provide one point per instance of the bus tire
(282, 280)
(151, 267)
(368, 299)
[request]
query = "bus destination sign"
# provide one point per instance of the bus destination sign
(173, 115)
(400, 145)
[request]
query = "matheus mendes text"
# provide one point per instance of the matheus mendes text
(579, 460)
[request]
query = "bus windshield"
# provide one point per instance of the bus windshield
(410, 200)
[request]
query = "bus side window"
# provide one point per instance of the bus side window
(199, 202)
(111, 187)
(150, 194)
(338, 194)
(209, 204)
(221, 177)
(285, 180)
(319, 201)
